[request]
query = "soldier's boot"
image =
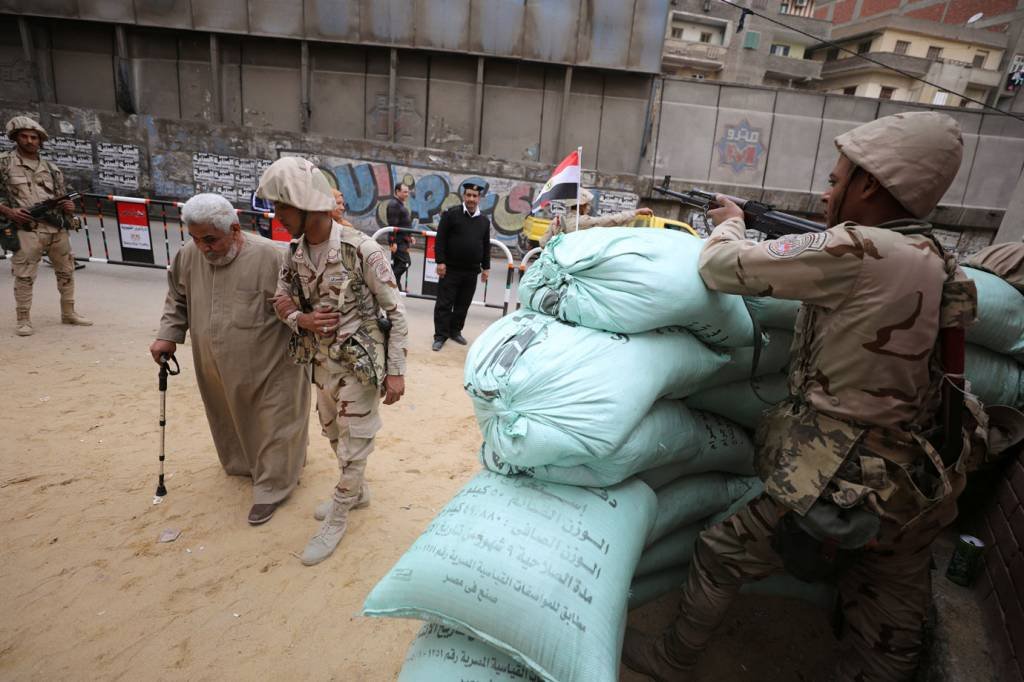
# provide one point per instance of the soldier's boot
(69, 316)
(324, 508)
(24, 326)
(663, 657)
(331, 531)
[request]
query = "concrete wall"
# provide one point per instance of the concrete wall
(613, 34)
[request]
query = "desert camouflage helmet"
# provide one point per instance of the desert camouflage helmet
(297, 182)
(914, 155)
(585, 197)
(25, 123)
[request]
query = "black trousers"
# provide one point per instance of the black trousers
(454, 296)
(400, 262)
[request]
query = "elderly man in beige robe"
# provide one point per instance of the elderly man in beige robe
(221, 286)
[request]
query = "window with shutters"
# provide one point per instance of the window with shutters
(902, 46)
(934, 52)
(851, 90)
(864, 47)
(752, 40)
(832, 55)
(979, 60)
(886, 93)
(677, 33)
(781, 50)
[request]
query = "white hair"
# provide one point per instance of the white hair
(209, 209)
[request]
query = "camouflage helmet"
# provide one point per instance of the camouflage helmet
(914, 155)
(585, 197)
(25, 123)
(297, 182)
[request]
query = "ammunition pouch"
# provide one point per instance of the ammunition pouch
(819, 546)
(363, 353)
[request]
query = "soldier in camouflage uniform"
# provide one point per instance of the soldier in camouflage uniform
(855, 438)
(27, 179)
(338, 294)
(570, 222)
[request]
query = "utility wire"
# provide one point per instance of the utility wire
(747, 10)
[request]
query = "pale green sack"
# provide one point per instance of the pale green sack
(537, 570)
(692, 498)
(671, 436)
(996, 379)
(742, 401)
(1000, 325)
(633, 280)
(440, 653)
(545, 392)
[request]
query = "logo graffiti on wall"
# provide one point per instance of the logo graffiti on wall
(740, 147)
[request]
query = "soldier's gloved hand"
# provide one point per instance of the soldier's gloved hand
(161, 347)
(725, 211)
(393, 389)
(67, 206)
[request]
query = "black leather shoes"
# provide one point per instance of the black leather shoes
(437, 344)
(460, 339)
(261, 513)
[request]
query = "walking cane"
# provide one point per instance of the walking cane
(165, 370)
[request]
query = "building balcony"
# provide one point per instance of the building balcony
(693, 54)
(789, 68)
(915, 66)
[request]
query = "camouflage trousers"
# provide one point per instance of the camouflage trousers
(350, 418)
(49, 241)
(884, 596)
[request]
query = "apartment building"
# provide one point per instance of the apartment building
(704, 40)
(961, 60)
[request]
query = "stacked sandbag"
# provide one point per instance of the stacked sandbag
(442, 653)
(995, 343)
(633, 280)
(537, 570)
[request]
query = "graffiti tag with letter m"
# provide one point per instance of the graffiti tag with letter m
(740, 147)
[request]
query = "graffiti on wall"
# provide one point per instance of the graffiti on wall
(369, 185)
(740, 147)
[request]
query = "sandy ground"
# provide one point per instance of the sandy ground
(88, 593)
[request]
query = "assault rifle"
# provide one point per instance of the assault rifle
(39, 211)
(757, 215)
(46, 211)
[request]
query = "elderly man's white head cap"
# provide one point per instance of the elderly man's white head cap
(209, 209)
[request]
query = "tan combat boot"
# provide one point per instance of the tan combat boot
(69, 316)
(324, 508)
(653, 656)
(24, 326)
(327, 538)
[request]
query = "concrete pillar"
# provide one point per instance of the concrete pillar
(216, 102)
(40, 62)
(564, 115)
(478, 109)
(1011, 229)
(392, 95)
(304, 84)
(124, 86)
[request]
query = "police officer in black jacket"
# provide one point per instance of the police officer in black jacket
(462, 250)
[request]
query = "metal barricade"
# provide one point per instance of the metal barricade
(523, 264)
(510, 269)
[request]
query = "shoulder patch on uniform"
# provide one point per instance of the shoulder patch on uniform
(380, 265)
(793, 245)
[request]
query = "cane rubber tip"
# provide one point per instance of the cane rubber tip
(161, 491)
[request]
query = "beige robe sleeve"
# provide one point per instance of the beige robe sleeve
(607, 220)
(174, 321)
(380, 280)
(820, 269)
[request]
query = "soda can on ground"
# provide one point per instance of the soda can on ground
(963, 565)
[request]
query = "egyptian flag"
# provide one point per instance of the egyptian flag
(564, 183)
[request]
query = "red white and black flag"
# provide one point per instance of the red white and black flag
(564, 183)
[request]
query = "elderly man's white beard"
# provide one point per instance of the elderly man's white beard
(226, 258)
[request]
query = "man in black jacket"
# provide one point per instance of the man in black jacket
(398, 216)
(462, 249)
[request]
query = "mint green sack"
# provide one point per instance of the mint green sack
(773, 359)
(546, 392)
(692, 498)
(1000, 325)
(674, 549)
(537, 570)
(632, 280)
(440, 653)
(743, 401)
(773, 312)
(996, 379)
(672, 436)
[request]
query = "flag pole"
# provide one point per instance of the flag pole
(579, 156)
